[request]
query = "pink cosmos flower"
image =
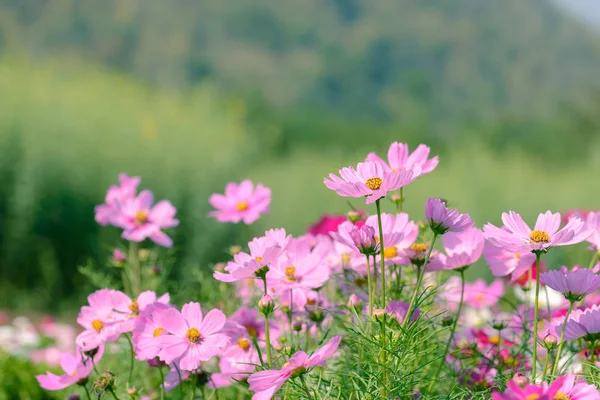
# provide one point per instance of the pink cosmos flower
(119, 257)
(266, 383)
(574, 284)
(416, 255)
(116, 195)
(399, 159)
(504, 262)
(229, 373)
(147, 332)
(172, 379)
(326, 225)
(521, 238)
(592, 222)
(141, 220)
(442, 220)
(100, 321)
(398, 310)
(240, 348)
(192, 337)
(529, 392)
(254, 323)
(242, 267)
(479, 295)
(573, 390)
(241, 202)
(129, 310)
(368, 180)
(582, 323)
(462, 248)
(76, 367)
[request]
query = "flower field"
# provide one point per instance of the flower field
(370, 303)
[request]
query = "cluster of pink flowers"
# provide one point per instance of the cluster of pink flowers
(377, 270)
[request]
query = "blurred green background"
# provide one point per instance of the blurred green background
(191, 94)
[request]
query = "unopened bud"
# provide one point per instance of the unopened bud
(131, 392)
(354, 302)
(266, 305)
(447, 320)
(220, 267)
(156, 270)
(316, 316)
(74, 396)
(396, 199)
(499, 325)
(143, 253)
(104, 382)
(233, 250)
(353, 216)
(550, 342)
(297, 324)
(379, 314)
(521, 380)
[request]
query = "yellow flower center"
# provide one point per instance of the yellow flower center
(480, 297)
(518, 256)
(251, 331)
(134, 307)
(562, 396)
(289, 273)
(241, 206)
(532, 396)
(193, 335)
(374, 183)
(539, 237)
(141, 217)
(494, 340)
(157, 332)
(345, 258)
(259, 258)
(97, 325)
(390, 252)
(243, 343)
(419, 247)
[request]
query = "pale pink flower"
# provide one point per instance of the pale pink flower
(229, 373)
(241, 202)
(76, 368)
(266, 383)
(100, 321)
(592, 223)
(582, 323)
(462, 248)
(266, 249)
(399, 159)
(368, 180)
(192, 337)
(504, 262)
(442, 220)
(147, 332)
(243, 267)
(519, 237)
(141, 220)
(571, 389)
(172, 380)
(479, 295)
(240, 349)
(116, 195)
(130, 309)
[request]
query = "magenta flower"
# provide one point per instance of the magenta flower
(116, 195)
(442, 220)
(326, 225)
(266, 383)
(141, 220)
(399, 159)
(503, 262)
(241, 202)
(119, 257)
(574, 285)
(99, 320)
(368, 180)
(76, 367)
(519, 237)
(563, 388)
(572, 390)
(585, 324)
(462, 248)
(192, 337)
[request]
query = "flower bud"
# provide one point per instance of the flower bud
(144, 254)
(379, 314)
(297, 324)
(266, 305)
(550, 342)
(447, 320)
(219, 267)
(354, 216)
(316, 316)
(354, 302)
(119, 258)
(499, 325)
(74, 396)
(364, 239)
(156, 270)
(233, 250)
(103, 382)
(132, 392)
(396, 199)
(521, 380)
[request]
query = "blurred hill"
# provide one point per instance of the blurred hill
(444, 61)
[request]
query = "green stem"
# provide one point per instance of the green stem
(546, 360)
(194, 380)
(162, 383)
(381, 256)
(113, 393)
(268, 342)
(593, 351)
(593, 260)
(180, 380)
(535, 316)
(452, 331)
(562, 339)
(87, 392)
(383, 299)
(305, 387)
(400, 203)
(131, 361)
(135, 270)
(369, 288)
(421, 273)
